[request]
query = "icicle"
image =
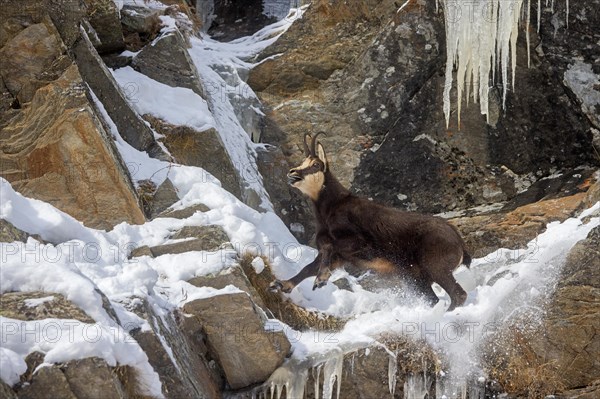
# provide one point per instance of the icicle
(392, 370)
(332, 371)
(317, 379)
(527, 35)
(539, 14)
(567, 13)
(552, 6)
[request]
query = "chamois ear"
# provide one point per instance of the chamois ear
(322, 156)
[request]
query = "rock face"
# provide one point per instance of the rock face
(204, 149)
(237, 338)
(572, 325)
(372, 78)
(103, 16)
(9, 233)
(166, 60)
(56, 149)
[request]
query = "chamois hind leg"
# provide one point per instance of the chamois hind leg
(440, 270)
(423, 287)
(312, 269)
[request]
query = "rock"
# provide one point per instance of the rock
(103, 16)
(229, 20)
(32, 59)
(140, 19)
(63, 155)
(48, 383)
(185, 212)
(6, 392)
(186, 371)
(164, 196)
(207, 238)
(231, 276)
(166, 60)
(373, 81)
(28, 306)
(131, 127)
(237, 338)
(144, 250)
(92, 378)
(572, 325)
(9, 233)
(204, 149)
(484, 234)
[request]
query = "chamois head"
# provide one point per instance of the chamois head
(309, 176)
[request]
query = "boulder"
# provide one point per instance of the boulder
(140, 19)
(9, 233)
(185, 371)
(48, 383)
(204, 149)
(237, 338)
(185, 212)
(92, 378)
(164, 196)
(63, 155)
(166, 60)
(6, 392)
(99, 79)
(38, 305)
(572, 325)
(103, 16)
(32, 59)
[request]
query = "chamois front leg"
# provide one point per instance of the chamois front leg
(324, 272)
(312, 269)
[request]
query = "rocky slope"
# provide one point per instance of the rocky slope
(139, 266)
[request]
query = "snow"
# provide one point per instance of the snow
(175, 105)
(32, 303)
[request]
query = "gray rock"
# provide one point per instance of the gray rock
(164, 196)
(92, 378)
(166, 60)
(103, 16)
(212, 235)
(140, 19)
(237, 338)
(14, 305)
(48, 383)
(197, 244)
(100, 80)
(184, 213)
(6, 392)
(9, 233)
(231, 276)
(186, 372)
(204, 149)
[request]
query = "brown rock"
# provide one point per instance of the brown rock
(572, 326)
(237, 338)
(6, 392)
(9, 233)
(92, 378)
(486, 233)
(31, 60)
(15, 306)
(48, 383)
(203, 149)
(65, 157)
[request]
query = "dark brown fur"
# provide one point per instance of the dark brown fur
(421, 248)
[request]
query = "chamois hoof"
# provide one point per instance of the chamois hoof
(319, 284)
(275, 286)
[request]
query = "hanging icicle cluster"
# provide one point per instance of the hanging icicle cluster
(481, 38)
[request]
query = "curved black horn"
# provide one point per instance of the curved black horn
(313, 144)
(306, 150)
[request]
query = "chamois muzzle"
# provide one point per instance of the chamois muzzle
(293, 177)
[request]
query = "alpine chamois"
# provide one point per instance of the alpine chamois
(421, 248)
